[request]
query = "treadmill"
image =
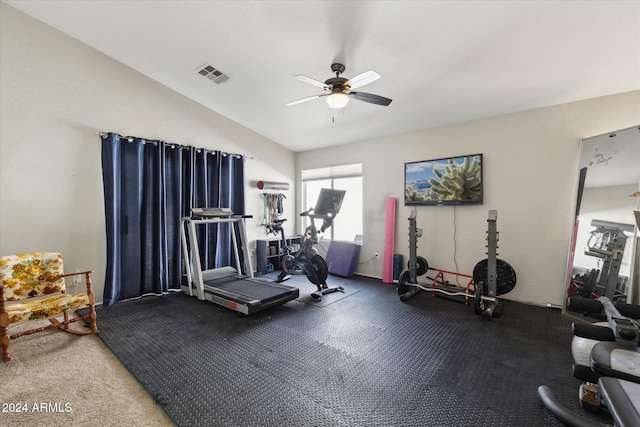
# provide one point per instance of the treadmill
(227, 286)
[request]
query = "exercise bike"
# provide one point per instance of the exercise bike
(606, 359)
(307, 260)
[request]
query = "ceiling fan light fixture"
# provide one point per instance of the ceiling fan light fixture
(338, 90)
(337, 100)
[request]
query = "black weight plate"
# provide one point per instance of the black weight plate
(480, 272)
(505, 275)
(403, 279)
(421, 266)
(322, 270)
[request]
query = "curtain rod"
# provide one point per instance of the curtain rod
(130, 138)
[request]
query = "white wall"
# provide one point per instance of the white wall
(530, 177)
(56, 95)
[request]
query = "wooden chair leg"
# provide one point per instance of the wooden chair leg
(66, 321)
(55, 323)
(92, 313)
(4, 328)
(6, 356)
(92, 303)
(92, 319)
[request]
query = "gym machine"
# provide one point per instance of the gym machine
(493, 276)
(607, 360)
(307, 260)
(408, 285)
(606, 242)
(227, 286)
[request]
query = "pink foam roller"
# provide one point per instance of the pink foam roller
(389, 240)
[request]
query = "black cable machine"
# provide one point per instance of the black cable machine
(227, 286)
(607, 242)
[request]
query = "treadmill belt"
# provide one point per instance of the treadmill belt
(257, 290)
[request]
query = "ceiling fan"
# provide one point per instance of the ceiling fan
(338, 89)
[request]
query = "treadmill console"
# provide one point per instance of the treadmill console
(210, 212)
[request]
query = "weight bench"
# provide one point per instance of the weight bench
(609, 360)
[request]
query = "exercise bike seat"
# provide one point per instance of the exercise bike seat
(622, 399)
(610, 360)
(279, 221)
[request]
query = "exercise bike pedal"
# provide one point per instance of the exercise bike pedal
(317, 295)
(589, 395)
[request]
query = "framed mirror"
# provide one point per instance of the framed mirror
(604, 248)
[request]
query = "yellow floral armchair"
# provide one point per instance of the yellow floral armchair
(32, 287)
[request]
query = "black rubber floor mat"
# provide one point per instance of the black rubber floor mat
(365, 360)
(327, 299)
(307, 288)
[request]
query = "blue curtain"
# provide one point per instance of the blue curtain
(148, 187)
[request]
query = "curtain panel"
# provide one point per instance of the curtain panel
(148, 187)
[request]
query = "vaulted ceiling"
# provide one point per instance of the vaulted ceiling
(441, 62)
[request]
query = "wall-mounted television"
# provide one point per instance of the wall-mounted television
(446, 181)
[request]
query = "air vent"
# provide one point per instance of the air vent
(213, 74)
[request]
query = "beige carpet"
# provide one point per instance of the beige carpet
(59, 379)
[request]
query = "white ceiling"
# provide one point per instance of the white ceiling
(442, 62)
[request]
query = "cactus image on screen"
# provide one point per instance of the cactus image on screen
(458, 181)
(451, 180)
(412, 195)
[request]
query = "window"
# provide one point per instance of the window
(348, 223)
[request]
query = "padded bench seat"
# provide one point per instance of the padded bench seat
(610, 360)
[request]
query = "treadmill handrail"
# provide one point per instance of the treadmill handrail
(194, 271)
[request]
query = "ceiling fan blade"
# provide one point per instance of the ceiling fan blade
(308, 98)
(370, 98)
(363, 79)
(310, 81)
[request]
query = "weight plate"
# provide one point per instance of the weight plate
(480, 272)
(322, 270)
(421, 266)
(403, 279)
(505, 275)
